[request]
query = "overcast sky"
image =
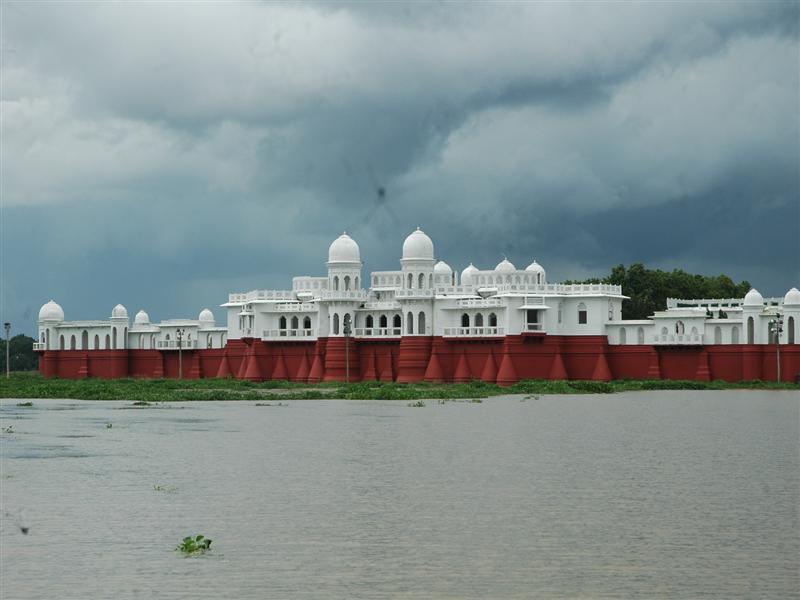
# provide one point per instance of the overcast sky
(162, 155)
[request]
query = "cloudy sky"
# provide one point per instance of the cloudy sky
(162, 155)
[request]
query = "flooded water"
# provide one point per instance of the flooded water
(656, 495)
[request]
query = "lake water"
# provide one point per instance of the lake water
(656, 495)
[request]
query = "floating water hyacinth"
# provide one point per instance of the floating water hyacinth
(197, 545)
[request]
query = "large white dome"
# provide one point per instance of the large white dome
(442, 268)
(119, 312)
(466, 274)
(792, 297)
(505, 266)
(344, 250)
(753, 298)
(51, 312)
(534, 267)
(206, 316)
(418, 246)
(141, 318)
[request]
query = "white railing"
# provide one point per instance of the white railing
(261, 295)
(173, 344)
(379, 332)
(414, 293)
(535, 327)
(271, 334)
(343, 294)
(482, 303)
(293, 307)
(473, 331)
(455, 290)
(39, 346)
(381, 305)
(678, 338)
(533, 300)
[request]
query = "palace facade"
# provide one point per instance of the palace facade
(425, 321)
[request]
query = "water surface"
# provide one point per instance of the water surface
(655, 494)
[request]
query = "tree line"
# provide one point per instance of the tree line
(21, 354)
(649, 288)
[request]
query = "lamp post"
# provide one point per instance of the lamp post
(347, 332)
(179, 334)
(776, 328)
(7, 327)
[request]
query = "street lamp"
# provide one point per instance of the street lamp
(776, 328)
(7, 327)
(346, 330)
(179, 334)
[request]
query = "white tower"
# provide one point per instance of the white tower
(344, 264)
(417, 263)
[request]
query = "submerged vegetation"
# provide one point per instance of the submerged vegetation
(142, 392)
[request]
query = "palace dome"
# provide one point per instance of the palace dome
(206, 316)
(466, 274)
(534, 267)
(418, 246)
(51, 312)
(505, 266)
(141, 318)
(344, 249)
(792, 297)
(753, 298)
(442, 268)
(119, 312)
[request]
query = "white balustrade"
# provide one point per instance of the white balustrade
(271, 334)
(379, 331)
(473, 331)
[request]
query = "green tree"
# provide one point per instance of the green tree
(21, 354)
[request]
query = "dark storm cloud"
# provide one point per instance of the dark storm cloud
(164, 154)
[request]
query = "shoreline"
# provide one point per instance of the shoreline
(26, 386)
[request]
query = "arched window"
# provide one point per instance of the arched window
(640, 335)
(517, 279)
(430, 281)
(47, 339)
(679, 327)
(693, 331)
(421, 323)
(410, 281)
(492, 320)
(664, 331)
(355, 285)
(336, 282)
(538, 278)
(72, 342)
(421, 281)
(85, 340)
(306, 322)
(369, 322)
(347, 282)
(335, 323)
(125, 338)
(560, 309)
(108, 341)
(790, 327)
(735, 335)
(410, 323)
(397, 322)
(114, 338)
(751, 334)
(61, 342)
(623, 336)
(97, 342)
(382, 322)
(141, 341)
(346, 323)
(610, 310)
(282, 323)
(717, 334)
(583, 316)
(479, 320)
(295, 322)
(209, 342)
(465, 320)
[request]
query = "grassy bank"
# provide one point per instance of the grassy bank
(24, 385)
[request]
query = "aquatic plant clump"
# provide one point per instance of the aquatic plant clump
(197, 545)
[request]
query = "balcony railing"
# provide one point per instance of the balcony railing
(39, 346)
(678, 338)
(534, 327)
(473, 331)
(174, 344)
(343, 294)
(482, 303)
(414, 293)
(379, 331)
(273, 334)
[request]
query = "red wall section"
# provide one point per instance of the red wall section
(504, 360)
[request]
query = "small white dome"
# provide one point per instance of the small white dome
(206, 316)
(792, 297)
(466, 274)
(418, 246)
(119, 312)
(442, 268)
(51, 312)
(505, 266)
(344, 249)
(753, 298)
(141, 318)
(534, 267)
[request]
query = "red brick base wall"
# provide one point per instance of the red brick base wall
(502, 360)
